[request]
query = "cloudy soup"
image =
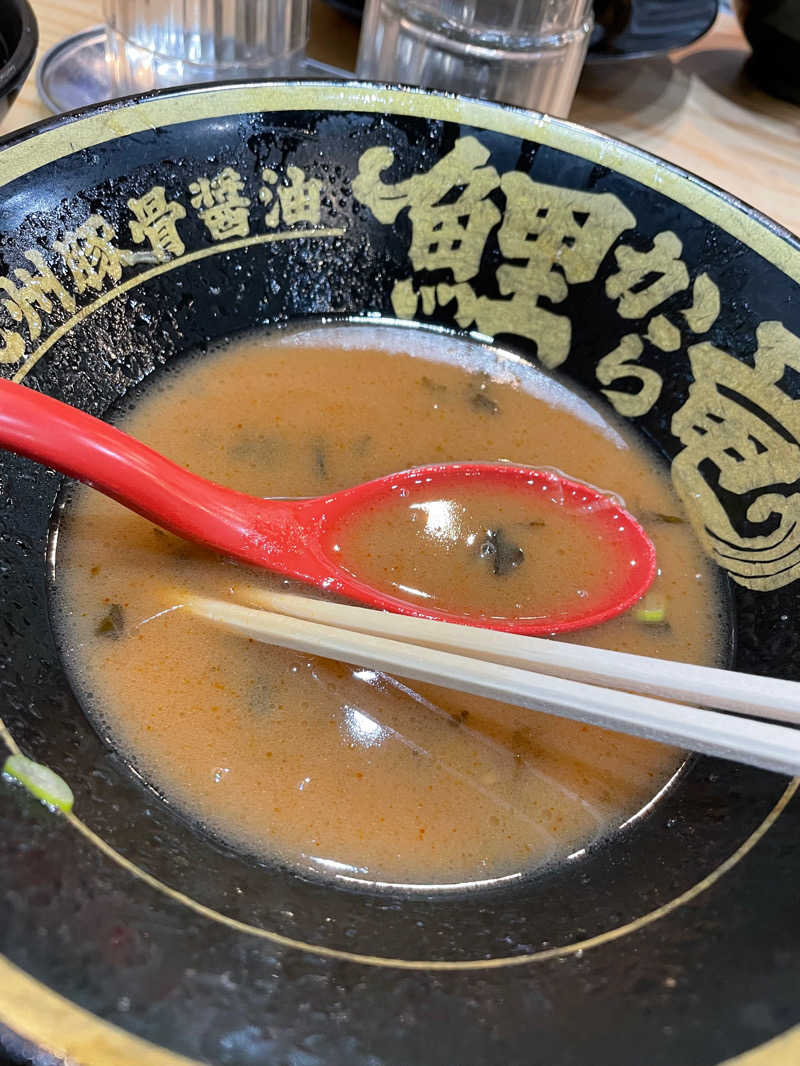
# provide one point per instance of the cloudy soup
(344, 771)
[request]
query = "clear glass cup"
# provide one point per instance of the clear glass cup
(156, 43)
(524, 52)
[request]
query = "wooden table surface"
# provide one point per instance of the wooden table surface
(693, 107)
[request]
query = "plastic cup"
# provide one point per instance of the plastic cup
(524, 52)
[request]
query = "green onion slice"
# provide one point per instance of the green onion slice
(40, 781)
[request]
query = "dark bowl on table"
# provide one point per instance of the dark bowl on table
(129, 936)
(19, 39)
(772, 28)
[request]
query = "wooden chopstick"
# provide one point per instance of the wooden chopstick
(725, 690)
(763, 744)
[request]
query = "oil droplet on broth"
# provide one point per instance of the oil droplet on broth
(350, 771)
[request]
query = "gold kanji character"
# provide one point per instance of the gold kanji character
(91, 255)
(700, 317)
(555, 236)
(29, 295)
(622, 364)
(741, 458)
(544, 226)
(221, 205)
(299, 201)
(450, 211)
(156, 222)
(560, 237)
(646, 279)
(550, 331)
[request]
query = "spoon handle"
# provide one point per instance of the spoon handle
(83, 447)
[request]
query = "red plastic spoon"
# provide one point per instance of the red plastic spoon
(294, 537)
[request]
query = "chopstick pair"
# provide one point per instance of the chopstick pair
(615, 690)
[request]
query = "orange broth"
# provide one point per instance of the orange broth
(349, 772)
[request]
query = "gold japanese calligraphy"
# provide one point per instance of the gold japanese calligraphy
(91, 255)
(27, 297)
(621, 364)
(740, 465)
(550, 238)
(740, 430)
(298, 200)
(449, 209)
(221, 205)
(156, 222)
(643, 283)
(645, 280)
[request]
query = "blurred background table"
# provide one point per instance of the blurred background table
(694, 107)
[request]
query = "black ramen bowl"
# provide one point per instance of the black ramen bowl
(129, 936)
(19, 39)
